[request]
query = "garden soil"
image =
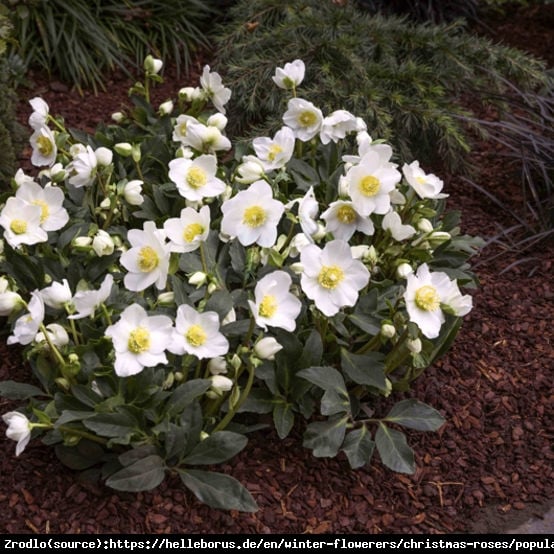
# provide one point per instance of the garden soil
(487, 470)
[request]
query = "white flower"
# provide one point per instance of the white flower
(132, 192)
(190, 94)
(298, 242)
(426, 185)
(103, 244)
(251, 169)
(360, 252)
(393, 224)
(308, 209)
(274, 305)
(370, 182)
(40, 113)
(56, 334)
(217, 365)
(104, 156)
(139, 340)
(181, 127)
(166, 107)
(57, 294)
(195, 179)
(343, 220)
(290, 76)
(27, 326)
(187, 232)
(252, 215)
(148, 258)
(87, 301)
(198, 334)
(205, 138)
(76, 149)
(266, 348)
(303, 118)
(82, 170)
(19, 429)
(337, 125)
(53, 216)
(332, 278)
(21, 223)
(9, 301)
(365, 145)
(427, 293)
(20, 178)
(211, 84)
(44, 147)
(276, 152)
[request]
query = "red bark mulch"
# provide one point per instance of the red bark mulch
(486, 470)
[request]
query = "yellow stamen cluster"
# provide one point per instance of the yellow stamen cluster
(44, 209)
(427, 298)
(330, 276)
(254, 216)
(307, 118)
(192, 231)
(369, 185)
(45, 146)
(148, 259)
(18, 226)
(274, 149)
(196, 177)
(139, 340)
(268, 306)
(346, 214)
(195, 335)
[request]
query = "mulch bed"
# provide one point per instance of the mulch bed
(486, 470)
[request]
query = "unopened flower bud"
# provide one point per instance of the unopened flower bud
(266, 348)
(135, 153)
(212, 287)
(166, 107)
(414, 346)
(123, 149)
(152, 65)
(9, 302)
(439, 237)
(235, 361)
(82, 242)
(250, 170)
(403, 270)
(103, 244)
(217, 365)
(217, 120)
(4, 284)
(360, 251)
(118, 117)
(221, 384)
(297, 268)
(189, 94)
(198, 279)
(387, 330)
(105, 204)
(133, 192)
(166, 298)
(103, 155)
(424, 225)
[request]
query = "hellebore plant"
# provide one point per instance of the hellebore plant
(174, 295)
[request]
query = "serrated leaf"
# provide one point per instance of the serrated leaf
(364, 369)
(283, 419)
(218, 490)
(414, 414)
(325, 438)
(216, 448)
(325, 377)
(19, 391)
(394, 450)
(358, 447)
(143, 475)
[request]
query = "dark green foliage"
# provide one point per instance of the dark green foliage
(409, 82)
(79, 39)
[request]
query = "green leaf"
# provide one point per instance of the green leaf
(138, 453)
(325, 377)
(394, 450)
(283, 419)
(414, 414)
(28, 273)
(325, 438)
(143, 475)
(221, 302)
(333, 403)
(313, 350)
(217, 448)
(68, 416)
(238, 256)
(364, 369)
(185, 394)
(304, 175)
(365, 323)
(82, 456)
(218, 490)
(19, 391)
(111, 425)
(358, 447)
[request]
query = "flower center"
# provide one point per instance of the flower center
(254, 216)
(148, 259)
(427, 298)
(183, 129)
(346, 214)
(44, 209)
(369, 185)
(307, 118)
(44, 145)
(196, 335)
(139, 340)
(192, 230)
(330, 276)
(196, 177)
(18, 226)
(421, 180)
(268, 306)
(274, 149)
